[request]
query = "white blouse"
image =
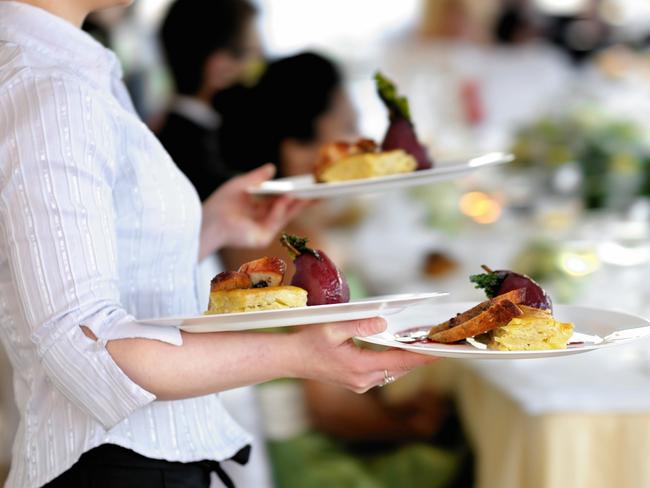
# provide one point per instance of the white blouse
(97, 225)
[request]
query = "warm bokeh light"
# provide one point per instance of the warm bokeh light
(579, 263)
(480, 207)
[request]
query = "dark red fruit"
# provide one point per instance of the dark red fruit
(502, 281)
(401, 135)
(401, 131)
(535, 295)
(316, 273)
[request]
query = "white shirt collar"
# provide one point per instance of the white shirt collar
(39, 30)
(197, 111)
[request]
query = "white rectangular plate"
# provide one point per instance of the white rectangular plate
(305, 186)
(588, 321)
(354, 310)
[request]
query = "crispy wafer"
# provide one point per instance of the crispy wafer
(496, 315)
(515, 296)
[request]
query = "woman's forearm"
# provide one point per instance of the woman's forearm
(205, 363)
(209, 363)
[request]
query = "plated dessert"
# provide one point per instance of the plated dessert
(400, 151)
(342, 161)
(518, 316)
(258, 285)
(596, 329)
(400, 160)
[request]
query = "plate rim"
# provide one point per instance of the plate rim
(500, 157)
(391, 298)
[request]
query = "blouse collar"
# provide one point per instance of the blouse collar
(58, 39)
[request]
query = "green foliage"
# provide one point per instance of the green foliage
(539, 260)
(296, 245)
(601, 147)
(314, 460)
(490, 282)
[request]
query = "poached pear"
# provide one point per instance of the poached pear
(401, 131)
(316, 273)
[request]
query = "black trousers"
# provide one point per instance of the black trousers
(111, 466)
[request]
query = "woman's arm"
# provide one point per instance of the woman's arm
(208, 363)
(58, 240)
(232, 217)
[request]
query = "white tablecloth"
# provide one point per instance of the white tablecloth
(611, 380)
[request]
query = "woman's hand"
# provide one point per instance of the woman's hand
(233, 217)
(326, 353)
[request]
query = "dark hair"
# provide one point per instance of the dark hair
(285, 104)
(508, 24)
(194, 29)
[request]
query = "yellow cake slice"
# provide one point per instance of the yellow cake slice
(256, 299)
(535, 330)
(368, 165)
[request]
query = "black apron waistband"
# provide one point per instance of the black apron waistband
(112, 455)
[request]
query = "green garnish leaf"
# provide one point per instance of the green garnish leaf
(297, 245)
(388, 93)
(490, 282)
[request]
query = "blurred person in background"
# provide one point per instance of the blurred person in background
(471, 92)
(466, 20)
(208, 47)
(580, 34)
(299, 104)
(514, 24)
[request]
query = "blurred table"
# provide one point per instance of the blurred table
(579, 422)
(576, 422)
(590, 428)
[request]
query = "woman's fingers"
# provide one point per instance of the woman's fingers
(376, 366)
(282, 211)
(277, 211)
(341, 332)
(296, 207)
(257, 176)
(396, 361)
(361, 383)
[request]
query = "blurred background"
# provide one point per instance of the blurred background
(562, 84)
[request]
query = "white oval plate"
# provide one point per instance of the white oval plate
(354, 310)
(588, 321)
(305, 186)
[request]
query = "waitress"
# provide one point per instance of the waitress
(97, 226)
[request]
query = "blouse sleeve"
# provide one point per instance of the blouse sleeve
(57, 224)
